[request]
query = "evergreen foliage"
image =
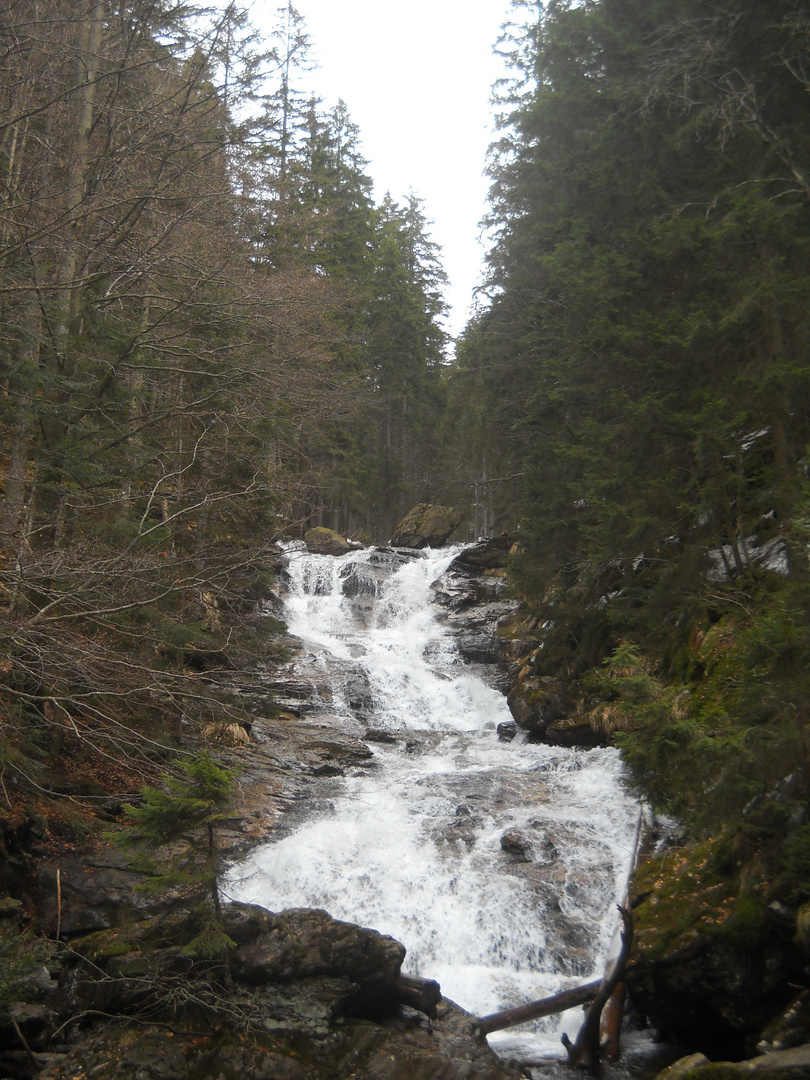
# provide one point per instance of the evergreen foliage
(173, 833)
(192, 281)
(640, 383)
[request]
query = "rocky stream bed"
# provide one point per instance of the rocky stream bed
(311, 996)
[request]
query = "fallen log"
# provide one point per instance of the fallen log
(421, 994)
(534, 1010)
(610, 1026)
(586, 1052)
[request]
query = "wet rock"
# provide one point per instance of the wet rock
(791, 1028)
(378, 735)
(479, 648)
(538, 701)
(358, 691)
(516, 844)
(327, 770)
(363, 578)
(321, 541)
(458, 589)
(489, 554)
(301, 943)
(426, 526)
(574, 732)
(507, 730)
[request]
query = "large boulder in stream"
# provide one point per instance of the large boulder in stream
(537, 701)
(321, 541)
(426, 526)
(488, 554)
(295, 944)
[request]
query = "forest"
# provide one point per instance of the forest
(212, 338)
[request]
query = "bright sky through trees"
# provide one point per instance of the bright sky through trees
(417, 79)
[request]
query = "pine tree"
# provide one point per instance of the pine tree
(173, 830)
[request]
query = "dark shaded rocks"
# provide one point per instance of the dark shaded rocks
(394, 1048)
(516, 844)
(426, 526)
(476, 604)
(782, 1065)
(306, 967)
(507, 730)
(489, 554)
(321, 541)
(791, 1028)
(538, 701)
(707, 970)
(89, 892)
(307, 997)
(574, 731)
(361, 581)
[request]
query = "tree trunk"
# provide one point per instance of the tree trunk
(586, 1052)
(68, 293)
(534, 1010)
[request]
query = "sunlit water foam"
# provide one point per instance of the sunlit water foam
(413, 847)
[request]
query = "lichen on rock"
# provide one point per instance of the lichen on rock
(426, 526)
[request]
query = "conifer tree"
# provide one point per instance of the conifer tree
(173, 832)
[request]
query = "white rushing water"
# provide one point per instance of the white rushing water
(412, 846)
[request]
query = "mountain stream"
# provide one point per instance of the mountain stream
(497, 864)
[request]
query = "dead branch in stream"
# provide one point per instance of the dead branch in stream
(586, 1052)
(534, 1010)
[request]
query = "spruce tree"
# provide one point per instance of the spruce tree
(173, 833)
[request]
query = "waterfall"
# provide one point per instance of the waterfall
(498, 865)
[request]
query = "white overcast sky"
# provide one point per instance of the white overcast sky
(416, 77)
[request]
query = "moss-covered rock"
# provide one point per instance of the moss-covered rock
(709, 963)
(426, 526)
(537, 701)
(321, 541)
(785, 1065)
(305, 942)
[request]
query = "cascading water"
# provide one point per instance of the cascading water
(498, 865)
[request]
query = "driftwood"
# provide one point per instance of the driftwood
(521, 1014)
(587, 1052)
(421, 994)
(610, 1026)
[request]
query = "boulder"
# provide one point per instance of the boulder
(516, 844)
(321, 541)
(536, 702)
(92, 890)
(507, 730)
(791, 1064)
(706, 970)
(575, 732)
(426, 526)
(289, 1040)
(489, 554)
(299, 943)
